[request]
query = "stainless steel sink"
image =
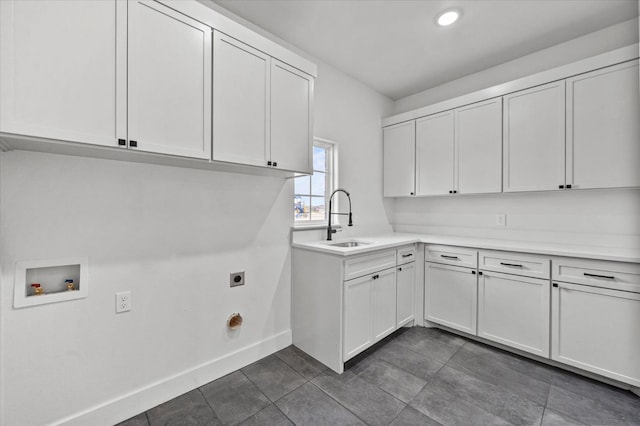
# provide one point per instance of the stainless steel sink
(348, 244)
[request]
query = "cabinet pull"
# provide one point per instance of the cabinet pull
(473, 272)
(122, 142)
(479, 272)
(449, 257)
(133, 144)
(560, 186)
(407, 255)
(268, 163)
(450, 192)
(400, 269)
(555, 284)
(411, 193)
(511, 264)
(455, 192)
(375, 277)
(275, 164)
(608, 277)
(568, 186)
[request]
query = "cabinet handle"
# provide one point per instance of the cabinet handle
(560, 186)
(407, 255)
(568, 186)
(450, 192)
(275, 164)
(375, 277)
(473, 272)
(412, 193)
(122, 142)
(608, 277)
(133, 144)
(449, 257)
(511, 264)
(400, 269)
(455, 192)
(555, 284)
(268, 163)
(479, 272)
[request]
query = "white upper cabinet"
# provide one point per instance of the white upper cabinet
(150, 76)
(58, 66)
(534, 126)
(603, 128)
(291, 118)
(478, 134)
(262, 108)
(169, 81)
(435, 154)
(458, 151)
(399, 148)
(240, 102)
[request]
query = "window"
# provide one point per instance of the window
(311, 193)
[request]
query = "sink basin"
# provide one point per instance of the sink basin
(348, 244)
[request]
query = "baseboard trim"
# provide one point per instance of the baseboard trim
(128, 405)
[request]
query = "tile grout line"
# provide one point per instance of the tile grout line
(206, 400)
(339, 403)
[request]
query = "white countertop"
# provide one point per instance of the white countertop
(378, 242)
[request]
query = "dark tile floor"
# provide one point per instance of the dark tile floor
(418, 376)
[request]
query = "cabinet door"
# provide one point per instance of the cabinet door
(358, 317)
(434, 154)
(240, 102)
(291, 118)
(597, 330)
(603, 129)
(59, 63)
(384, 303)
(533, 132)
(514, 311)
(399, 148)
(169, 81)
(478, 136)
(405, 293)
(451, 296)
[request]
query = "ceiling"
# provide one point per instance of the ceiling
(395, 47)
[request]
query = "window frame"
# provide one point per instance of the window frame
(331, 182)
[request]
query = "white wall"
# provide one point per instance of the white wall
(616, 36)
(171, 236)
(350, 113)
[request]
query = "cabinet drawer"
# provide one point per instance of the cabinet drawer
(514, 263)
(450, 255)
(406, 254)
(363, 265)
(597, 273)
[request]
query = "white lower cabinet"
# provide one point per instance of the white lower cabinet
(596, 329)
(384, 304)
(369, 310)
(451, 296)
(358, 316)
(514, 311)
(595, 318)
(405, 293)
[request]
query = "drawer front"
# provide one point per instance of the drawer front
(406, 254)
(597, 273)
(367, 264)
(515, 263)
(450, 255)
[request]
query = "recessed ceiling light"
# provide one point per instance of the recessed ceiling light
(448, 17)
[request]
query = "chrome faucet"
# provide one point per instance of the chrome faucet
(329, 229)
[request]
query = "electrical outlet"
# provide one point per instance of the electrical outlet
(236, 279)
(501, 220)
(123, 301)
